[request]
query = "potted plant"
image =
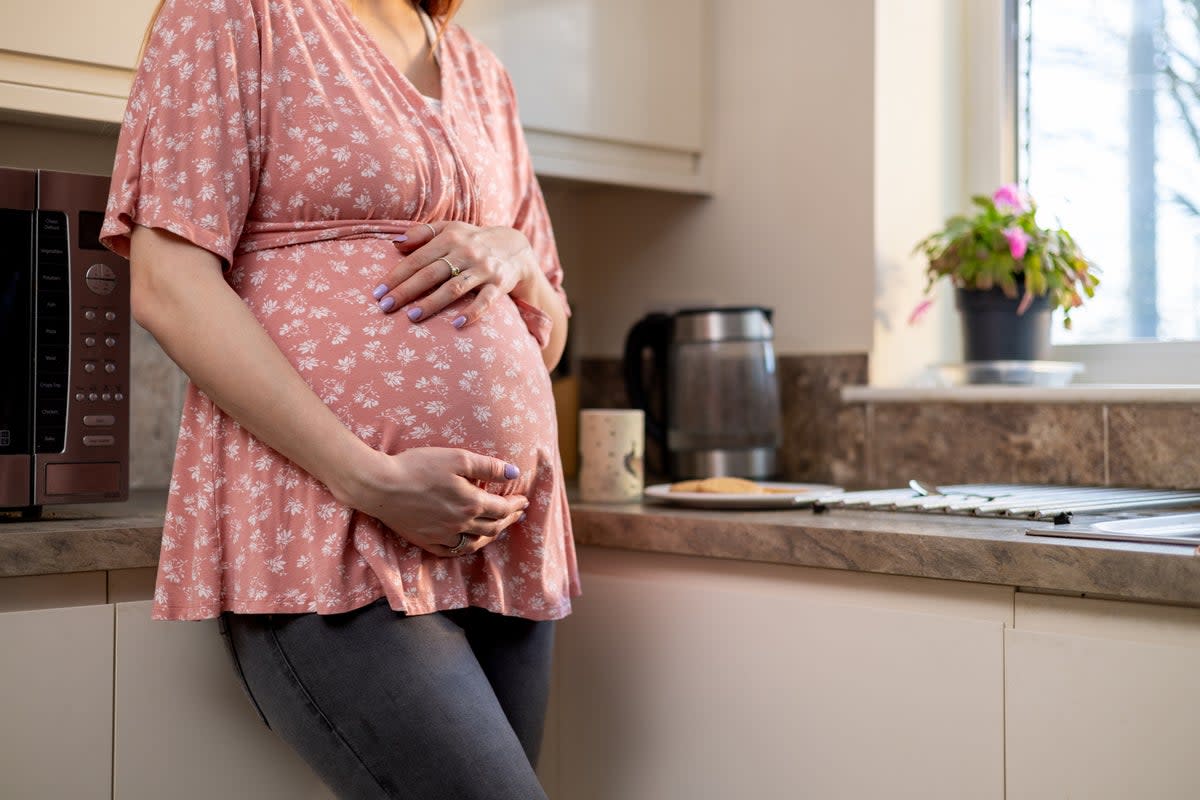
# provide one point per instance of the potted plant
(1009, 274)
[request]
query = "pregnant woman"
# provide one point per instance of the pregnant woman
(334, 229)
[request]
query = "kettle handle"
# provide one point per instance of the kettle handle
(653, 333)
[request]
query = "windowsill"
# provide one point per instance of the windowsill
(1082, 393)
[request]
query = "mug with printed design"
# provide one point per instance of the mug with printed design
(611, 451)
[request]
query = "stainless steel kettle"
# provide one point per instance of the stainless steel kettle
(709, 389)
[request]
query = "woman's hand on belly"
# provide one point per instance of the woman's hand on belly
(439, 268)
(429, 496)
(443, 261)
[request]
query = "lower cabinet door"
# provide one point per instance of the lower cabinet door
(677, 689)
(56, 671)
(1102, 719)
(184, 729)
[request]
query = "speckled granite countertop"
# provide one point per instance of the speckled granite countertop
(84, 538)
(124, 535)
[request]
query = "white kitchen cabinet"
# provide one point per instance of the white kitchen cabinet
(71, 59)
(1101, 700)
(615, 91)
(183, 727)
(706, 680)
(56, 671)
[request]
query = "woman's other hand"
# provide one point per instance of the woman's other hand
(431, 495)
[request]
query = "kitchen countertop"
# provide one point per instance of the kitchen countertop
(124, 535)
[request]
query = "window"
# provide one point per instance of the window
(1108, 138)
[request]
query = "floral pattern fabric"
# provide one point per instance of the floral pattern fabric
(276, 134)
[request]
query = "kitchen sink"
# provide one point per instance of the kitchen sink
(1167, 529)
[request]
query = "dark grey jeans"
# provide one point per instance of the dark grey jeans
(381, 705)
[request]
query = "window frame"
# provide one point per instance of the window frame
(991, 126)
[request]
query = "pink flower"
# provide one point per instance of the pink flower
(1018, 242)
(919, 311)
(1010, 197)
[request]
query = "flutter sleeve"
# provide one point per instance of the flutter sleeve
(532, 219)
(188, 153)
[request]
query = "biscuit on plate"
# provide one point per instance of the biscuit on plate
(721, 485)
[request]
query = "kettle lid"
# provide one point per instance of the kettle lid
(723, 324)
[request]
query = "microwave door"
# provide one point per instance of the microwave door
(17, 201)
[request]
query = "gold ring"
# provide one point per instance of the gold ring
(454, 271)
(432, 230)
(457, 549)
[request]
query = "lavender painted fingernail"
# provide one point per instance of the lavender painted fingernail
(459, 321)
(388, 303)
(399, 238)
(380, 291)
(511, 471)
(414, 314)
(522, 517)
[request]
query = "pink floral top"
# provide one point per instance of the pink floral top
(278, 136)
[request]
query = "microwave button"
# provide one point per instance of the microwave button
(52, 277)
(110, 315)
(54, 332)
(89, 366)
(99, 420)
(52, 360)
(51, 410)
(90, 314)
(118, 397)
(53, 224)
(110, 341)
(106, 396)
(99, 440)
(110, 367)
(93, 396)
(79, 396)
(53, 305)
(90, 341)
(100, 279)
(50, 441)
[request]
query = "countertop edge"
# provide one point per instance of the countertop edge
(1164, 574)
(967, 549)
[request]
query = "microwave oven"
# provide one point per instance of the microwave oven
(64, 357)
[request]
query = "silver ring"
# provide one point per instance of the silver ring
(462, 540)
(432, 230)
(454, 271)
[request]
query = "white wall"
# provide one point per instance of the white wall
(920, 157)
(790, 223)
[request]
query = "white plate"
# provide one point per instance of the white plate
(798, 495)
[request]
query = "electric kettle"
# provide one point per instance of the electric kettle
(709, 390)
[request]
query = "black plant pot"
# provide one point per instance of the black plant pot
(993, 331)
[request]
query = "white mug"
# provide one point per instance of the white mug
(611, 448)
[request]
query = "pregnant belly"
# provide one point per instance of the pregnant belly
(396, 383)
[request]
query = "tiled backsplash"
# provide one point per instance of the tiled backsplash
(155, 401)
(869, 443)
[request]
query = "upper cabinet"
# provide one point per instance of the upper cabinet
(615, 91)
(71, 59)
